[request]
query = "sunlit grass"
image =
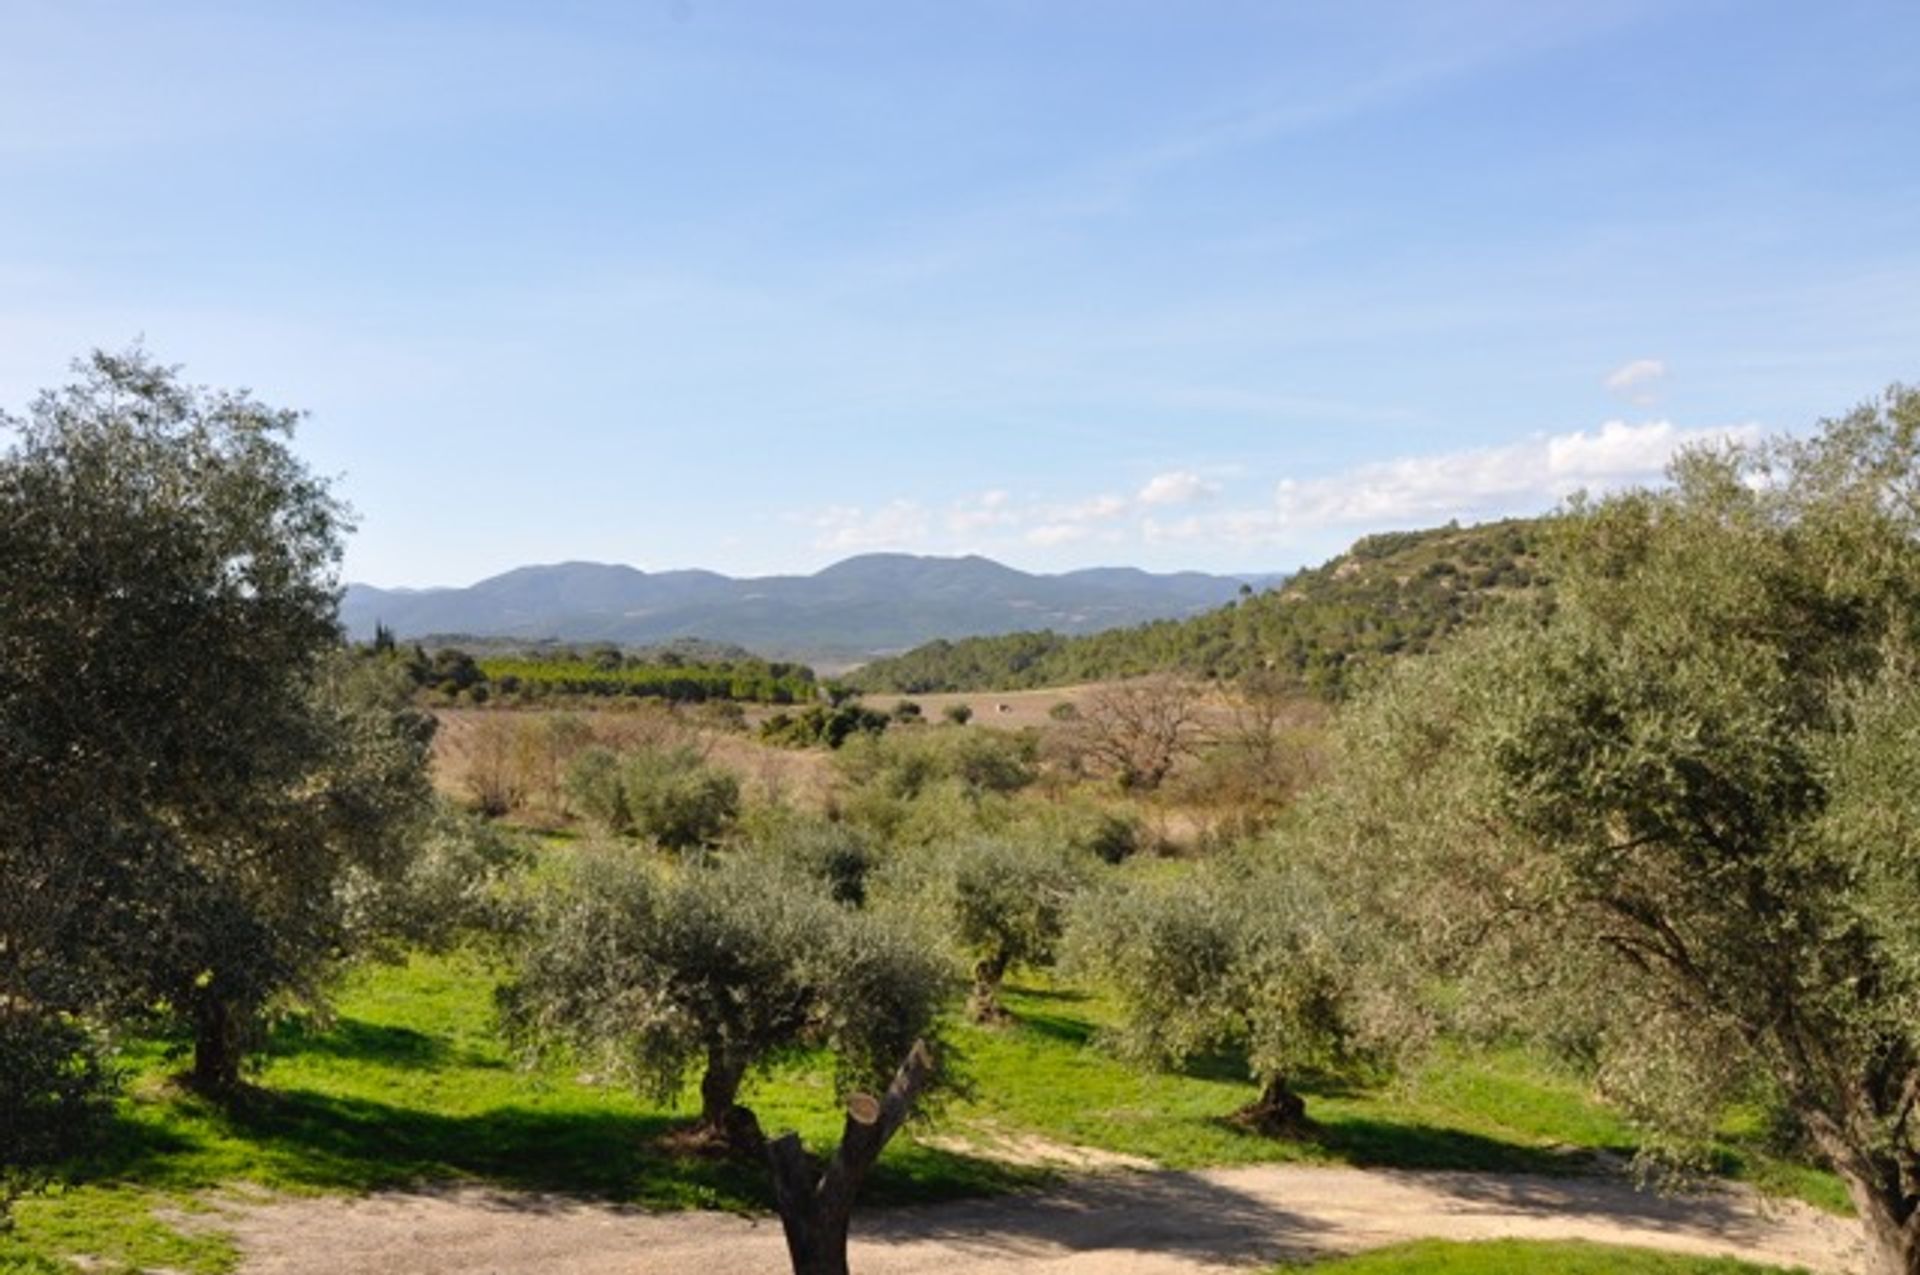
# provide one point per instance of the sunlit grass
(1524, 1257)
(410, 1082)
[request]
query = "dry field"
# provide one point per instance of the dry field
(800, 778)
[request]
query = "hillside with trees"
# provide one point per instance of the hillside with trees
(1390, 594)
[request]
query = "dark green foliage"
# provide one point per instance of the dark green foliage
(1324, 630)
(754, 681)
(906, 765)
(54, 1088)
(1245, 955)
(698, 674)
(452, 889)
(823, 726)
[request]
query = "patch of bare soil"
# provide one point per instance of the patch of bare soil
(1118, 1224)
(1028, 1150)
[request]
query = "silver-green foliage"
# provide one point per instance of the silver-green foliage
(1247, 952)
(655, 974)
(1675, 814)
(999, 901)
(192, 765)
(670, 795)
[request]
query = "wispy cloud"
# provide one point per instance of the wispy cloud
(1638, 381)
(1183, 506)
(1176, 487)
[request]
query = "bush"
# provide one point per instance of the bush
(905, 766)
(679, 800)
(452, 888)
(668, 794)
(595, 789)
(820, 725)
(958, 714)
(1088, 829)
(54, 1089)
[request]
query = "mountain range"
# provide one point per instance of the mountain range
(852, 611)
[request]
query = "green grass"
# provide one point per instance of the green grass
(1505, 1111)
(410, 1083)
(1522, 1257)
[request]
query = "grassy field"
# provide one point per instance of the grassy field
(410, 1083)
(1517, 1257)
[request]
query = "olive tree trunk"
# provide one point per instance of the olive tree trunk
(983, 1002)
(724, 1123)
(1885, 1189)
(219, 1045)
(1278, 1112)
(815, 1211)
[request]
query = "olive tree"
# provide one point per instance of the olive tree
(1244, 954)
(1000, 902)
(1681, 803)
(716, 970)
(192, 767)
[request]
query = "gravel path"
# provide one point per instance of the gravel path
(1157, 1223)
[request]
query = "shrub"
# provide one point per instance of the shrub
(54, 1088)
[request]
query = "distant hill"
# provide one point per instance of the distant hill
(870, 605)
(1389, 594)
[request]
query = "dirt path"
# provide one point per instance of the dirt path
(1122, 1224)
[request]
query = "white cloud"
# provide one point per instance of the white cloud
(1524, 477)
(1638, 381)
(899, 524)
(1176, 487)
(1515, 477)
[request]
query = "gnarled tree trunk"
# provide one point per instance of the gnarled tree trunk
(724, 1123)
(815, 1212)
(1885, 1192)
(983, 1002)
(1278, 1112)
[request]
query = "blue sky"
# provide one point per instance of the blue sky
(755, 286)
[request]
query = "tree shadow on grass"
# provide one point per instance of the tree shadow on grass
(1065, 1028)
(1064, 995)
(355, 1040)
(1386, 1144)
(301, 1138)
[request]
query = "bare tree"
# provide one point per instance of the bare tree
(1140, 730)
